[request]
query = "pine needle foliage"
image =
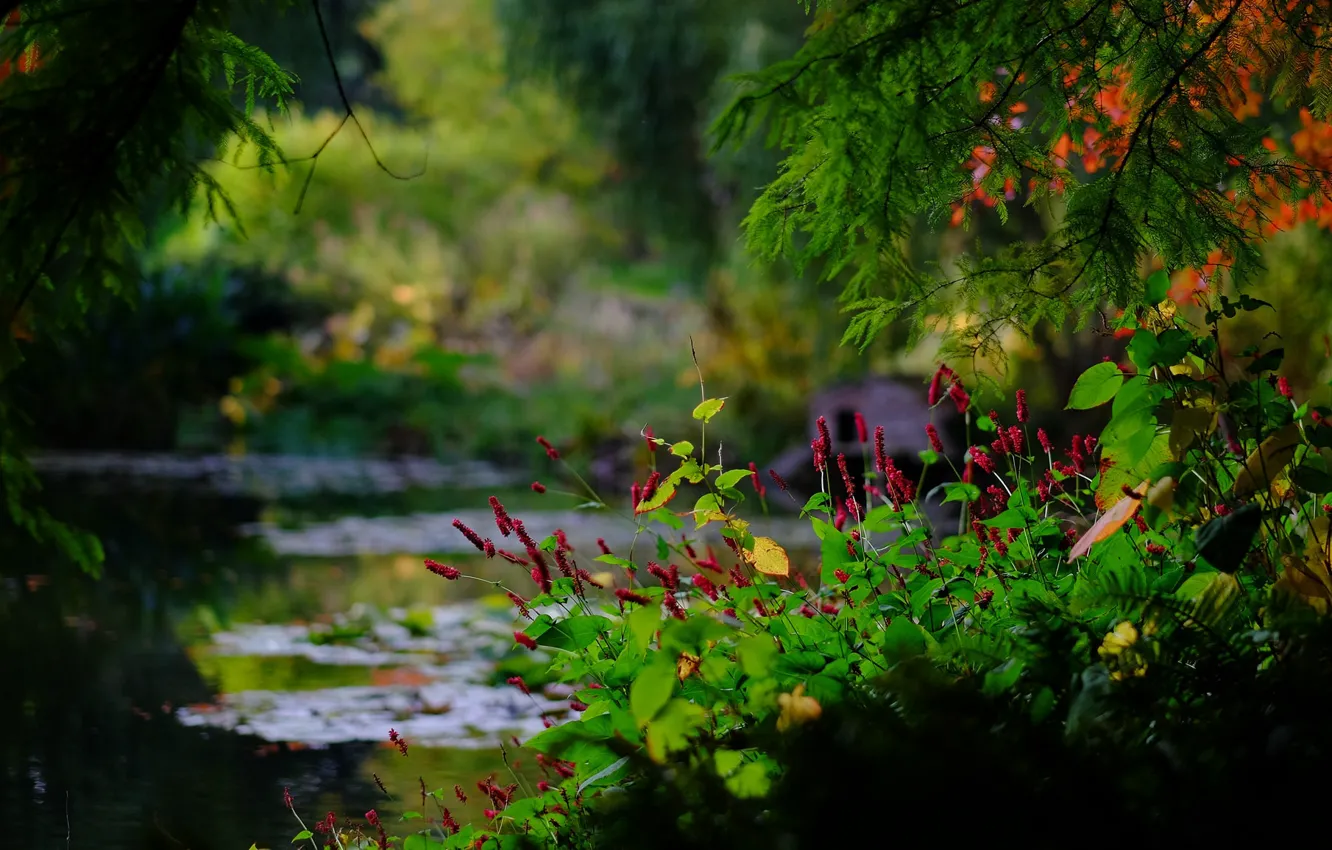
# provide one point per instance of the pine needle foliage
(888, 99)
(107, 111)
(122, 105)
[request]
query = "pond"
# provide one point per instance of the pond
(261, 625)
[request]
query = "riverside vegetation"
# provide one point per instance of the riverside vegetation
(1162, 661)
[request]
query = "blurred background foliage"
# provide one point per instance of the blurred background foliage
(532, 237)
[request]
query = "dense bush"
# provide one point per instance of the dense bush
(1165, 660)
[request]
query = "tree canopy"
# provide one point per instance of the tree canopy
(1156, 132)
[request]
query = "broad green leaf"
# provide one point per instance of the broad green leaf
(1225, 540)
(1156, 289)
(684, 448)
(757, 655)
(958, 491)
(302, 835)
(1311, 480)
(728, 480)
(574, 633)
(1095, 386)
(669, 730)
(652, 689)
(709, 408)
(643, 624)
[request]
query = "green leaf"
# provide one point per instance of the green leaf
(574, 633)
(903, 638)
(820, 502)
(652, 689)
(709, 408)
(1194, 584)
(757, 655)
(1095, 387)
(958, 491)
(728, 480)
(643, 624)
(302, 835)
(1311, 480)
(665, 492)
(1156, 288)
(1225, 541)
(684, 448)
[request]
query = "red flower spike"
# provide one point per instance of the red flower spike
(778, 480)
(538, 487)
(983, 460)
(648, 436)
(601, 544)
(578, 706)
(525, 640)
(488, 548)
(1015, 439)
(626, 595)
(862, 430)
(880, 451)
(502, 520)
(959, 396)
(441, 570)
(842, 575)
(705, 584)
(935, 443)
(551, 452)
(1283, 387)
(521, 604)
(756, 482)
(1044, 439)
(846, 475)
(1022, 412)
(472, 536)
(517, 682)
(824, 437)
(459, 793)
(286, 799)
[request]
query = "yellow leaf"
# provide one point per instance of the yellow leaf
(1318, 545)
(1124, 635)
(1110, 522)
(605, 579)
(1308, 579)
(769, 557)
(686, 665)
(1162, 494)
(797, 709)
(702, 518)
(1267, 461)
(1188, 422)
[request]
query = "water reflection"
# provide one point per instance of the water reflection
(95, 673)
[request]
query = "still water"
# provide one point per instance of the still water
(256, 630)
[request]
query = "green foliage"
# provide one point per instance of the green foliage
(107, 111)
(1158, 653)
(880, 109)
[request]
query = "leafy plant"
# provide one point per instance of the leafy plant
(1114, 604)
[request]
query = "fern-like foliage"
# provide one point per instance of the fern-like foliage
(105, 111)
(888, 99)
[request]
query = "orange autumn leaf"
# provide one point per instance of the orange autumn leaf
(1110, 522)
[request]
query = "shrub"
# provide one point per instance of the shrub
(1163, 660)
